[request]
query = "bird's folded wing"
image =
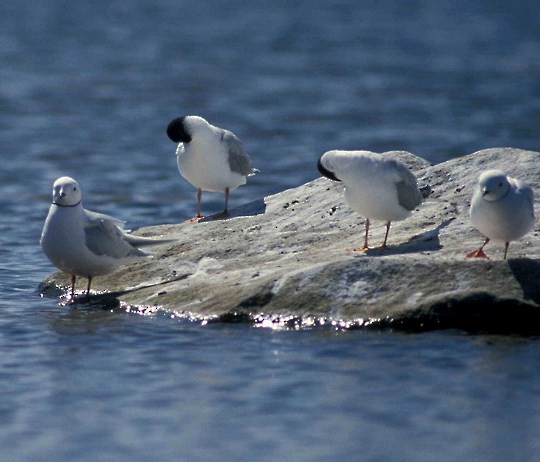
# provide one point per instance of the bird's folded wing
(101, 216)
(409, 196)
(239, 160)
(103, 237)
(527, 191)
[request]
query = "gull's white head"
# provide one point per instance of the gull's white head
(66, 192)
(493, 185)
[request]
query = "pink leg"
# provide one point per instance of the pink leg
(479, 253)
(199, 216)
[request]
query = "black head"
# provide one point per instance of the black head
(177, 131)
(325, 172)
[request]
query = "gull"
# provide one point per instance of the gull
(84, 243)
(210, 158)
(376, 187)
(501, 209)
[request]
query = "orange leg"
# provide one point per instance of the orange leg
(365, 246)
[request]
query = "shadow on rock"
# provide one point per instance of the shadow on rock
(527, 274)
(428, 241)
(257, 207)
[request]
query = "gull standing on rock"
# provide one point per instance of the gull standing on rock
(210, 158)
(84, 243)
(502, 209)
(376, 187)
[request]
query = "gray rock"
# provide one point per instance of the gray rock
(284, 261)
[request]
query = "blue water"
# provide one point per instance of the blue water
(87, 90)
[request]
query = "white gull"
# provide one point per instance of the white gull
(502, 209)
(210, 158)
(376, 187)
(84, 243)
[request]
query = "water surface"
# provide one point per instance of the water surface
(87, 90)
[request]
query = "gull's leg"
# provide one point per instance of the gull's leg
(226, 209)
(386, 235)
(73, 281)
(88, 287)
(199, 197)
(506, 244)
(479, 253)
(365, 246)
(199, 216)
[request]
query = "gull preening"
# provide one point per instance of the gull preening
(210, 158)
(376, 187)
(84, 243)
(502, 209)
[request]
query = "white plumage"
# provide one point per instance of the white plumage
(502, 209)
(376, 187)
(210, 158)
(84, 243)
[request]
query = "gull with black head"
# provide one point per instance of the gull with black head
(209, 157)
(376, 187)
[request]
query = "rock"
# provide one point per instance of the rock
(284, 261)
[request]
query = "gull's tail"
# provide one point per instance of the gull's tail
(139, 241)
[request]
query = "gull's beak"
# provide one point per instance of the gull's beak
(484, 191)
(58, 195)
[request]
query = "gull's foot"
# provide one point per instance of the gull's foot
(478, 253)
(359, 249)
(194, 220)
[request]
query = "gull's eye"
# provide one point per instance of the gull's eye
(500, 184)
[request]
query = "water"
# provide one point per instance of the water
(87, 89)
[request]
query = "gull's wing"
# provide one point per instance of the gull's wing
(526, 190)
(239, 160)
(409, 196)
(101, 216)
(104, 237)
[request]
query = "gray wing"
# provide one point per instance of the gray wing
(239, 160)
(101, 216)
(104, 237)
(409, 196)
(527, 191)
